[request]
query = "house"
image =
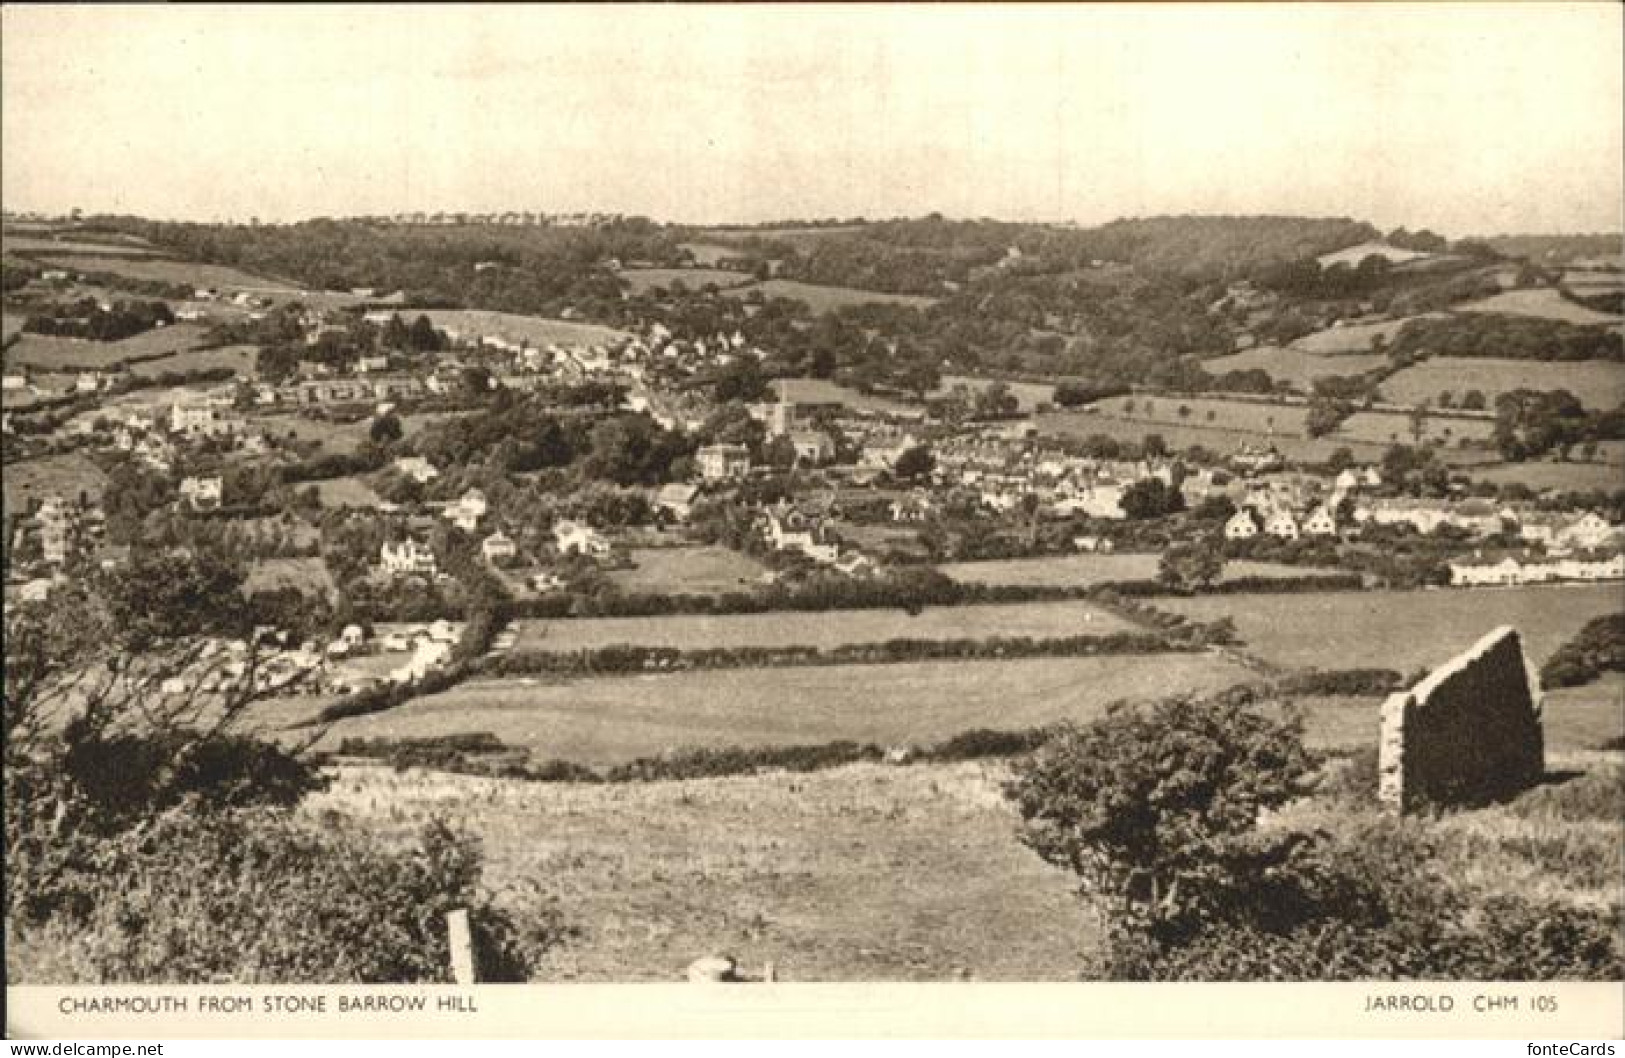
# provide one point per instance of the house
(408, 556)
(677, 500)
(1241, 526)
(465, 513)
(369, 364)
(580, 539)
(14, 381)
(1321, 522)
(883, 455)
(498, 547)
(1093, 544)
(202, 494)
(788, 529)
(59, 528)
(1281, 524)
(1589, 531)
(417, 468)
(87, 382)
(722, 462)
(915, 507)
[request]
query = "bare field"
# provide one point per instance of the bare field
(1599, 384)
(537, 330)
(859, 873)
(189, 273)
(645, 279)
(1545, 303)
(1084, 570)
(1401, 630)
(609, 719)
(823, 299)
(691, 570)
(1295, 366)
(823, 630)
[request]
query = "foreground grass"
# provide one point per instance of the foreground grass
(866, 872)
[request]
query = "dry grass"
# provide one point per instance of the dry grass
(825, 630)
(1597, 383)
(612, 719)
(861, 873)
(1400, 630)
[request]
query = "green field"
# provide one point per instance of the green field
(72, 354)
(34, 245)
(1394, 427)
(643, 280)
(608, 719)
(239, 358)
(1599, 384)
(824, 630)
(1401, 630)
(823, 299)
(1084, 570)
(347, 492)
(1545, 303)
(688, 570)
(860, 873)
(1218, 439)
(309, 576)
(1294, 366)
(820, 391)
(1355, 338)
(1029, 395)
(708, 254)
(537, 330)
(188, 273)
(1564, 477)
(64, 475)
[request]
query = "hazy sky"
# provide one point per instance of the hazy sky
(1459, 117)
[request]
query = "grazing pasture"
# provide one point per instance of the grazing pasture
(1599, 384)
(347, 492)
(1394, 427)
(1294, 366)
(820, 391)
(610, 719)
(36, 244)
(1353, 338)
(1401, 630)
(187, 273)
(239, 358)
(67, 476)
(1073, 571)
(1029, 395)
(1541, 475)
(643, 280)
(708, 254)
(473, 324)
(824, 299)
(860, 873)
(824, 630)
(1544, 303)
(75, 354)
(688, 570)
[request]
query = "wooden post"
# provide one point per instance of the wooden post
(462, 946)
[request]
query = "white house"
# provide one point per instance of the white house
(1321, 522)
(580, 539)
(1241, 526)
(202, 494)
(407, 556)
(723, 461)
(498, 547)
(1281, 524)
(417, 468)
(812, 446)
(677, 499)
(465, 513)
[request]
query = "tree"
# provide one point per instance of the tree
(1190, 567)
(1150, 498)
(385, 429)
(914, 463)
(1154, 446)
(1473, 400)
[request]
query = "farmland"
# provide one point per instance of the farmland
(1353, 338)
(1394, 427)
(186, 273)
(1401, 630)
(766, 867)
(825, 299)
(239, 359)
(1294, 366)
(819, 391)
(347, 492)
(1084, 570)
(33, 244)
(1221, 440)
(63, 475)
(1545, 303)
(693, 570)
(610, 719)
(824, 630)
(62, 354)
(643, 280)
(1599, 384)
(708, 254)
(1541, 475)
(1029, 395)
(308, 576)
(537, 330)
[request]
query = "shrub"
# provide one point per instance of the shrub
(1351, 682)
(1597, 648)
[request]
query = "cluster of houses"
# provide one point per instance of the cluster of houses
(1509, 569)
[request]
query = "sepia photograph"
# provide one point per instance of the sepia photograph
(809, 494)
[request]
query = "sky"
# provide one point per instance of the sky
(1463, 118)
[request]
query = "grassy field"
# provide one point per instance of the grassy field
(696, 570)
(309, 576)
(11, 323)
(819, 391)
(1394, 427)
(824, 630)
(1401, 630)
(1564, 477)
(1294, 366)
(33, 245)
(63, 354)
(537, 330)
(189, 273)
(1083, 570)
(63, 475)
(708, 254)
(645, 279)
(1029, 395)
(1599, 384)
(347, 492)
(1356, 338)
(768, 869)
(1545, 303)
(609, 719)
(239, 358)
(823, 299)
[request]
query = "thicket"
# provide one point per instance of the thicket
(1597, 648)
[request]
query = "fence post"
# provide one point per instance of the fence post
(462, 946)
